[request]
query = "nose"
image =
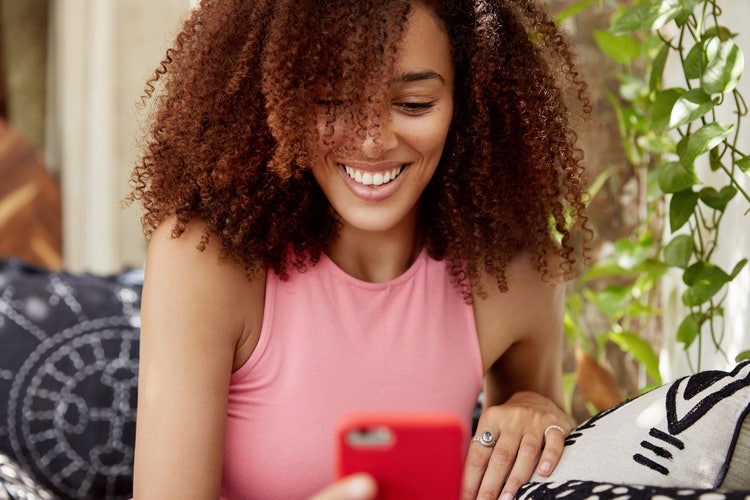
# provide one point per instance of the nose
(379, 140)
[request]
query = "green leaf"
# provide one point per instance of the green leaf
(688, 6)
(630, 254)
(744, 163)
(725, 63)
(694, 62)
(690, 106)
(612, 300)
(681, 208)
(661, 110)
(571, 328)
(661, 143)
(737, 268)
(702, 270)
(722, 32)
(634, 119)
(701, 293)
(638, 310)
(573, 10)
(704, 281)
(717, 200)
(714, 160)
(622, 48)
(743, 356)
(657, 68)
(650, 15)
(689, 329)
(634, 19)
(640, 349)
(632, 89)
(675, 177)
(606, 268)
(682, 148)
(678, 252)
(704, 139)
(648, 275)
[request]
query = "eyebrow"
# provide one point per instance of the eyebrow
(416, 76)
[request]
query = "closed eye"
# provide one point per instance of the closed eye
(415, 108)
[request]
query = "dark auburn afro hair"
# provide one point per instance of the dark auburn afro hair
(232, 124)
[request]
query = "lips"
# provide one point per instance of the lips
(372, 178)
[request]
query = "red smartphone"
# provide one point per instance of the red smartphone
(412, 456)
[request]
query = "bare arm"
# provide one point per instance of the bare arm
(195, 329)
(520, 336)
(523, 335)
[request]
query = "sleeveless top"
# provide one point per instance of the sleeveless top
(330, 345)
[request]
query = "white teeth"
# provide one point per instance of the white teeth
(370, 179)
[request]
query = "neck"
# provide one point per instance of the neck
(375, 256)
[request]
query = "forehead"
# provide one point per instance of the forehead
(424, 45)
(368, 45)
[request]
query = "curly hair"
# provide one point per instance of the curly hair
(229, 138)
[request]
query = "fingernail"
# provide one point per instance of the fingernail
(359, 487)
(545, 468)
(506, 496)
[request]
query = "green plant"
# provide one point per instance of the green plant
(678, 148)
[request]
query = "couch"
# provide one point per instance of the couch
(68, 387)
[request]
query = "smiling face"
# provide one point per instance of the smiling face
(375, 184)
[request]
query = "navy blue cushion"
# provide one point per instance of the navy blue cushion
(68, 378)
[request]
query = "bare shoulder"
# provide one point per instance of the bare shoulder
(206, 289)
(530, 308)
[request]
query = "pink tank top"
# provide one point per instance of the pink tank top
(331, 345)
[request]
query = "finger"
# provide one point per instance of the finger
(476, 463)
(554, 443)
(526, 460)
(354, 487)
(500, 464)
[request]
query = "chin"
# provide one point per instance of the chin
(372, 222)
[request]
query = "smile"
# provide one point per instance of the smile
(370, 178)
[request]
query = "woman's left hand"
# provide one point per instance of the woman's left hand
(525, 433)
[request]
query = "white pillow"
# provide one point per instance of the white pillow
(17, 485)
(682, 434)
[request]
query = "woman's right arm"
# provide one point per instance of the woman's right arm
(199, 316)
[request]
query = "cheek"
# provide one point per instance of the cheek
(429, 139)
(329, 135)
(330, 132)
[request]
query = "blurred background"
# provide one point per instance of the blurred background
(72, 75)
(73, 72)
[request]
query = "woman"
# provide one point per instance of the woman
(350, 207)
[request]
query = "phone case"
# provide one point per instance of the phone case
(412, 456)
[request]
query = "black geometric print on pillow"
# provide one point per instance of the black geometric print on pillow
(682, 411)
(687, 401)
(679, 434)
(588, 424)
(579, 490)
(662, 448)
(68, 379)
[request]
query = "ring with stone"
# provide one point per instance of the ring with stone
(486, 439)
